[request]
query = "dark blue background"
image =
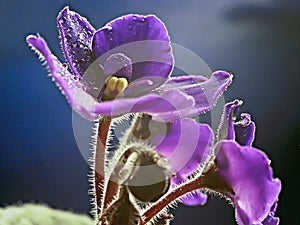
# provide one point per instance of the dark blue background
(258, 42)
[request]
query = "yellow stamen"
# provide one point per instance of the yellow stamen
(114, 86)
(112, 83)
(121, 85)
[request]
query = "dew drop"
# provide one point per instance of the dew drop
(82, 36)
(85, 88)
(150, 82)
(108, 28)
(62, 20)
(69, 82)
(69, 29)
(85, 50)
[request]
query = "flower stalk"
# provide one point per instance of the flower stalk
(99, 161)
(209, 180)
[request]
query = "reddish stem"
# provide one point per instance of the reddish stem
(112, 190)
(112, 187)
(103, 129)
(155, 209)
(209, 179)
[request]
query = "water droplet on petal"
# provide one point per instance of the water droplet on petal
(62, 20)
(150, 82)
(69, 29)
(86, 50)
(108, 28)
(82, 36)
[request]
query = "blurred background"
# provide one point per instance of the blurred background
(258, 41)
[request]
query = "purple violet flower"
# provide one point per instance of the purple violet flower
(246, 169)
(242, 131)
(125, 67)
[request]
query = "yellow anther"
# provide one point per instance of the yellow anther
(121, 84)
(111, 83)
(114, 86)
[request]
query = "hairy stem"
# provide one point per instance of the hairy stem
(155, 209)
(209, 179)
(103, 129)
(112, 190)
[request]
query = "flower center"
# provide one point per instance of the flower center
(114, 87)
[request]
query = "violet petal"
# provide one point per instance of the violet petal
(271, 220)
(69, 84)
(143, 86)
(244, 130)
(205, 92)
(168, 102)
(226, 127)
(185, 152)
(144, 39)
(118, 65)
(76, 39)
(248, 172)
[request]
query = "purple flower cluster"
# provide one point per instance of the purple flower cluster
(124, 67)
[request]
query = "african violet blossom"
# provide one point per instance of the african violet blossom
(125, 67)
(246, 170)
